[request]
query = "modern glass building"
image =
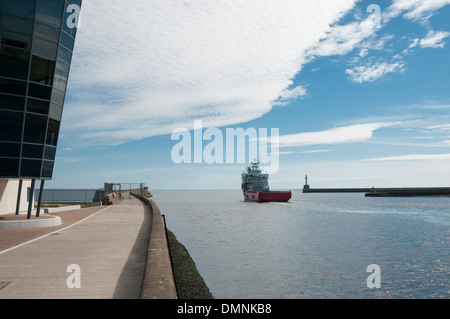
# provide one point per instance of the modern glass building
(36, 43)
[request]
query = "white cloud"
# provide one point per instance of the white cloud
(372, 72)
(143, 68)
(338, 135)
(411, 157)
(418, 10)
(434, 39)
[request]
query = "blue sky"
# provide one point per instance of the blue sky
(356, 103)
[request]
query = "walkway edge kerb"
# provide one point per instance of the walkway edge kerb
(158, 280)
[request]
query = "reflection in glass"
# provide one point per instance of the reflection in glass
(57, 97)
(37, 106)
(44, 47)
(13, 87)
(35, 126)
(17, 40)
(42, 70)
(47, 169)
(64, 55)
(52, 132)
(66, 41)
(22, 8)
(39, 91)
(46, 32)
(50, 12)
(55, 111)
(50, 153)
(16, 24)
(61, 74)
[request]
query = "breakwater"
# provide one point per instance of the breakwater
(385, 192)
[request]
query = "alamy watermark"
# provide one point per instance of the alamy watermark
(74, 279)
(73, 19)
(374, 279)
(237, 146)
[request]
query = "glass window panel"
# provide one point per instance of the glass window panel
(50, 12)
(17, 40)
(42, 70)
(66, 41)
(32, 151)
(11, 126)
(44, 47)
(55, 111)
(50, 153)
(9, 149)
(14, 63)
(10, 167)
(16, 24)
(46, 32)
(39, 91)
(21, 8)
(13, 87)
(35, 126)
(30, 168)
(15, 103)
(38, 106)
(61, 75)
(52, 132)
(57, 97)
(47, 169)
(64, 55)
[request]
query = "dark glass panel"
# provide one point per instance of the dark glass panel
(57, 97)
(30, 168)
(32, 151)
(42, 70)
(11, 126)
(21, 8)
(10, 167)
(14, 63)
(39, 91)
(47, 169)
(50, 12)
(66, 41)
(9, 150)
(44, 47)
(55, 111)
(50, 153)
(61, 75)
(16, 24)
(64, 55)
(46, 32)
(52, 132)
(13, 87)
(15, 103)
(38, 106)
(35, 126)
(17, 40)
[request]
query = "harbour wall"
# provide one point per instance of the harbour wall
(385, 192)
(159, 282)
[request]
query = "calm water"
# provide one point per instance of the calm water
(316, 246)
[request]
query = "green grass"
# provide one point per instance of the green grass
(189, 282)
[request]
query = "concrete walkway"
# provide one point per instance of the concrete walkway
(109, 249)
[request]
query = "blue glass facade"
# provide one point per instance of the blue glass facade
(36, 43)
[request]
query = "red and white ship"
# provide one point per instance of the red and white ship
(255, 186)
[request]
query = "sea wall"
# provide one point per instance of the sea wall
(158, 281)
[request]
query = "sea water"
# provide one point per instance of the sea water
(315, 246)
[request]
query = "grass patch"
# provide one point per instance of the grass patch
(189, 282)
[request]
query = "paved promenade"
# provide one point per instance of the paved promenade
(109, 246)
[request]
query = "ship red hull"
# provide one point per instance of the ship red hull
(260, 196)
